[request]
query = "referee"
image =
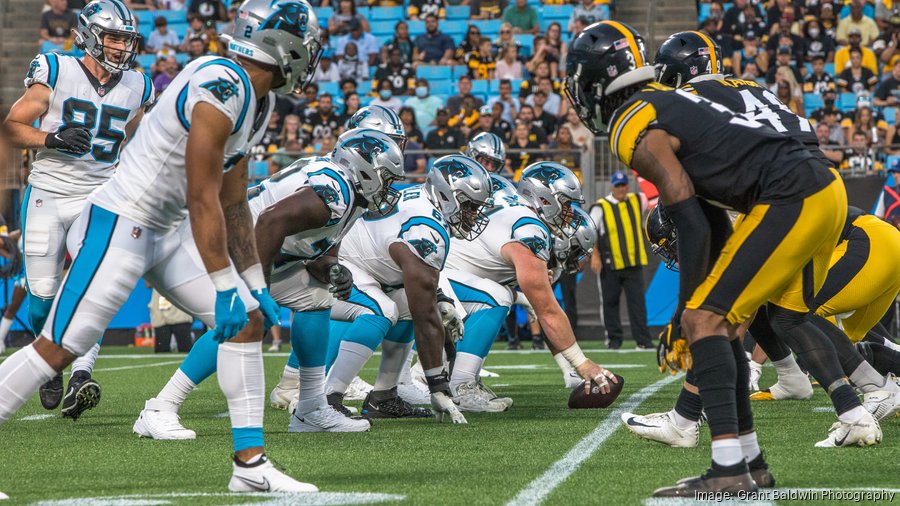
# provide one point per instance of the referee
(619, 259)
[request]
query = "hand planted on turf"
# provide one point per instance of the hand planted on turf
(341, 280)
(453, 324)
(443, 404)
(755, 374)
(592, 373)
(231, 315)
(673, 353)
(267, 306)
(72, 140)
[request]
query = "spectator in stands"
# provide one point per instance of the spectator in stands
(783, 59)
(538, 71)
(386, 98)
(750, 52)
(134, 5)
(522, 17)
(865, 120)
(565, 151)
(885, 47)
(892, 140)
(366, 44)
(751, 71)
(749, 21)
(505, 39)
(856, 78)
(339, 22)
(775, 13)
(196, 28)
(454, 103)
(816, 43)
(788, 91)
(581, 135)
(487, 9)
(399, 73)
(842, 56)
(710, 27)
(499, 126)
(819, 80)
(508, 66)
(309, 99)
(423, 104)
(351, 106)
(555, 50)
(542, 118)
(888, 92)
(828, 19)
(208, 10)
(212, 39)
(781, 36)
(268, 143)
(510, 105)
(823, 132)
(351, 65)
(57, 23)
(348, 86)
(466, 119)
(468, 46)
(522, 150)
(589, 11)
(167, 69)
(168, 321)
(433, 47)
(444, 137)
(414, 164)
(485, 121)
(716, 15)
(228, 26)
(554, 103)
(859, 157)
(196, 48)
(321, 121)
(857, 21)
(162, 38)
(411, 126)
(327, 71)
(290, 130)
(829, 98)
(418, 9)
(733, 18)
(535, 132)
(401, 41)
(481, 63)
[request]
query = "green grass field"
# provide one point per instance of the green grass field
(524, 456)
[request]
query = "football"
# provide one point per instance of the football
(595, 399)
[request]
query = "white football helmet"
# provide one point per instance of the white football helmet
(460, 188)
(550, 189)
(382, 119)
(374, 161)
(570, 249)
(102, 18)
(488, 150)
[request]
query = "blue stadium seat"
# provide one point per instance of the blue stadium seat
(829, 69)
(145, 18)
(454, 27)
(181, 58)
(383, 39)
(847, 101)
(455, 12)
(889, 115)
(365, 100)
(434, 72)
(442, 87)
(331, 87)
(145, 60)
(487, 26)
(480, 87)
(458, 71)
(180, 29)
(372, 71)
(49, 47)
(174, 16)
(383, 27)
(527, 42)
(386, 13)
(811, 102)
(892, 162)
(259, 169)
(559, 12)
(416, 28)
(703, 12)
(323, 13)
(364, 88)
(868, 10)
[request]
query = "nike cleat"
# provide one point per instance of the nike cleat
(865, 432)
(83, 394)
(357, 390)
(727, 480)
(789, 386)
(881, 403)
(336, 401)
(759, 471)
(472, 398)
(661, 427)
(387, 404)
(327, 420)
(51, 392)
(160, 420)
(261, 476)
(414, 392)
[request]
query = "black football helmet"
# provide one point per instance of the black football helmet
(685, 56)
(603, 59)
(663, 236)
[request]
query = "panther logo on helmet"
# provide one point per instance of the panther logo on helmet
(357, 118)
(90, 10)
(456, 169)
(291, 17)
(547, 174)
(424, 247)
(366, 146)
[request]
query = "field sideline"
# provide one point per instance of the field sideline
(538, 452)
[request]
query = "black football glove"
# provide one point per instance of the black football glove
(673, 353)
(71, 140)
(341, 280)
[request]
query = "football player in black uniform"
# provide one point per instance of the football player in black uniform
(794, 205)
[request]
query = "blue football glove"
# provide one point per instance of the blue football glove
(231, 315)
(267, 306)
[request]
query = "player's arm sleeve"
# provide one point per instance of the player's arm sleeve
(531, 233)
(596, 213)
(149, 94)
(427, 238)
(333, 189)
(44, 69)
(628, 126)
(222, 84)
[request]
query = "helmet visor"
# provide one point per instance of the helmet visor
(471, 221)
(115, 49)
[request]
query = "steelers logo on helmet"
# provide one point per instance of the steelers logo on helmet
(605, 58)
(685, 56)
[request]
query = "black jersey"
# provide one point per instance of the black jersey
(757, 103)
(733, 161)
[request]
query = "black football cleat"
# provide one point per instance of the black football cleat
(387, 404)
(722, 479)
(83, 394)
(51, 392)
(759, 471)
(336, 401)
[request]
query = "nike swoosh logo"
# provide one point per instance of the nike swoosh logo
(261, 485)
(840, 442)
(631, 421)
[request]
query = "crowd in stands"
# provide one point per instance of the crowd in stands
(450, 68)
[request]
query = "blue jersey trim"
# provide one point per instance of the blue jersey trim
(244, 79)
(528, 220)
(148, 86)
(53, 73)
(360, 298)
(428, 222)
(467, 293)
(179, 107)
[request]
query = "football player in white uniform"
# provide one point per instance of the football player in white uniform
(301, 213)
(86, 109)
(396, 259)
(488, 150)
(171, 214)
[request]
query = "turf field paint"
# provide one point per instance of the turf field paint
(142, 366)
(33, 418)
(312, 499)
(541, 487)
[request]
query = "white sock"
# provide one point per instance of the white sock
(290, 378)
(466, 368)
(682, 422)
(86, 361)
(867, 379)
(787, 365)
(749, 446)
(854, 415)
(177, 389)
(21, 375)
(5, 325)
(405, 373)
(393, 361)
(564, 365)
(727, 452)
(312, 389)
(350, 360)
(241, 378)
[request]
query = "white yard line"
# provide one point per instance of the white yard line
(538, 490)
(142, 366)
(268, 499)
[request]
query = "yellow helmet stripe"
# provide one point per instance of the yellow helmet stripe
(712, 52)
(632, 43)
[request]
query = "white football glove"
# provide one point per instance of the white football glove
(442, 404)
(450, 319)
(755, 374)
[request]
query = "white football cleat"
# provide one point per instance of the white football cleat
(327, 420)
(282, 395)
(484, 373)
(493, 396)
(263, 477)
(275, 348)
(473, 399)
(572, 379)
(414, 393)
(160, 420)
(357, 390)
(3, 496)
(865, 432)
(661, 427)
(788, 386)
(881, 403)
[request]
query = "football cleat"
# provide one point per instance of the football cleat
(3, 496)
(661, 427)
(262, 476)
(759, 471)
(327, 420)
(275, 348)
(572, 379)
(51, 392)
(357, 390)
(414, 393)
(391, 406)
(160, 420)
(881, 403)
(471, 398)
(484, 373)
(865, 432)
(336, 401)
(282, 396)
(789, 386)
(83, 394)
(505, 400)
(717, 479)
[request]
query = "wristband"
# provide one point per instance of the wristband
(223, 279)
(254, 278)
(574, 355)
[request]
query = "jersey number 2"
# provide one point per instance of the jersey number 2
(82, 113)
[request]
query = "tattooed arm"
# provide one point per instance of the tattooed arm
(238, 220)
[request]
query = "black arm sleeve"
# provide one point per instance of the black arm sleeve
(693, 245)
(719, 228)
